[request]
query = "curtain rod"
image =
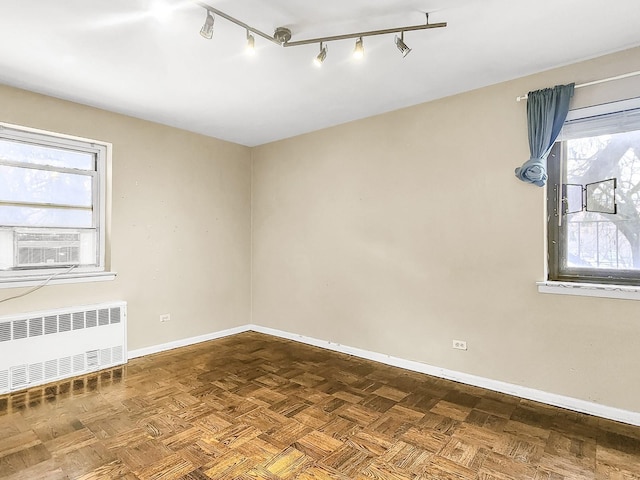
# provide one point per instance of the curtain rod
(595, 82)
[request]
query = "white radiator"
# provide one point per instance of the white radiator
(43, 347)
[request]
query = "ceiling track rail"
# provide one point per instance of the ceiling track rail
(282, 35)
(239, 23)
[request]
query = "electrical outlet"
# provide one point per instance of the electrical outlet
(459, 344)
(165, 317)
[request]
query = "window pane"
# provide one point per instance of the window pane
(45, 217)
(600, 197)
(597, 240)
(44, 186)
(42, 155)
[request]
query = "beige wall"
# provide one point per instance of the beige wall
(180, 223)
(395, 234)
(401, 232)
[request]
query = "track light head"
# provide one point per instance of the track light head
(358, 52)
(207, 29)
(321, 56)
(251, 44)
(401, 45)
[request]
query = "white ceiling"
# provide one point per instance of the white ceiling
(115, 55)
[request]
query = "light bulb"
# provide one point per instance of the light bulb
(358, 52)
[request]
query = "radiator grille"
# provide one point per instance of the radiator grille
(50, 324)
(43, 347)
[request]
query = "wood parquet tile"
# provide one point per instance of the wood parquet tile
(256, 407)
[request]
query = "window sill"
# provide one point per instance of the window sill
(36, 280)
(625, 292)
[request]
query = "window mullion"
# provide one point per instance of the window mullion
(62, 206)
(49, 168)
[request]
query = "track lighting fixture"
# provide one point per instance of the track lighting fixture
(321, 56)
(401, 45)
(251, 44)
(282, 35)
(207, 29)
(358, 51)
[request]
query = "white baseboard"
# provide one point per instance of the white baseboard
(556, 400)
(141, 352)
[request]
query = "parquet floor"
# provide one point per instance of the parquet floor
(252, 406)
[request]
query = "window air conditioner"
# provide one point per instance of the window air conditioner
(37, 249)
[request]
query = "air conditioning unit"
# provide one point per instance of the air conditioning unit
(37, 249)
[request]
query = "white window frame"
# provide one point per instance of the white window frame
(102, 151)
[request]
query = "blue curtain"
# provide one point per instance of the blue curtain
(546, 112)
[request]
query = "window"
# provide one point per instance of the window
(593, 199)
(52, 204)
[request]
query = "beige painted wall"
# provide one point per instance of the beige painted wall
(180, 224)
(401, 232)
(394, 234)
